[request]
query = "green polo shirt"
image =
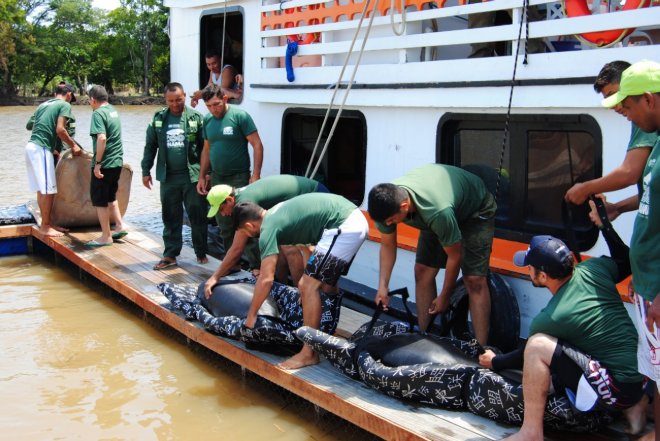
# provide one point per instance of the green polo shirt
(44, 126)
(588, 313)
(444, 197)
(105, 120)
(227, 139)
(301, 220)
(271, 190)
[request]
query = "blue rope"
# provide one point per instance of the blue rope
(291, 50)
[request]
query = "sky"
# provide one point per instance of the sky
(106, 4)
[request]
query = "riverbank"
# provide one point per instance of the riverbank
(83, 100)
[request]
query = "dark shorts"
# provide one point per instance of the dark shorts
(588, 383)
(104, 191)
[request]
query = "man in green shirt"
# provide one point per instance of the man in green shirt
(639, 95)
(630, 171)
(107, 162)
(227, 132)
(584, 316)
(333, 224)
(456, 216)
(174, 136)
(48, 125)
(266, 193)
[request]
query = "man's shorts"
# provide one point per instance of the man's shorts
(104, 191)
(40, 169)
(588, 383)
(477, 243)
(648, 343)
(334, 253)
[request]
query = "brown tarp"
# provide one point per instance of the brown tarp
(73, 206)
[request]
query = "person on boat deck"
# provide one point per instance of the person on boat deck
(266, 192)
(174, 137)
(456, 216)
(639, 96)
(630, 171)
(226, 77)
(107, 162)
(227, 132)
(583, 341)
(487, 19)
(48, 125)
(332, 223)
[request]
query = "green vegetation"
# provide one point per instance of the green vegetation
(43, 42)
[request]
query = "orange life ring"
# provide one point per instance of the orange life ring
(579, 8)
(309, 38)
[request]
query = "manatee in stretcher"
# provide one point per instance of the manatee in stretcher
(233, 299)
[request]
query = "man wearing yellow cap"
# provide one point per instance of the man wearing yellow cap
(266, 193)
(639, 95)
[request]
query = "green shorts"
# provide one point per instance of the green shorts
(477, 241)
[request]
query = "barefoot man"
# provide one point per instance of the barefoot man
(333, 224)
(49, 125)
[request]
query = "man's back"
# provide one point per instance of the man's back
(271, 190)
(45, 122)
(588, 313)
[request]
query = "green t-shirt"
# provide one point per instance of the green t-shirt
(105, 120)
(588, 313)
(177, 154)
(269, 191)
(444, 197)
(44, 127)
(301, 220)
(228, 142)
(640, 139)
(645, 241)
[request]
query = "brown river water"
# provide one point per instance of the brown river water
(78, 364)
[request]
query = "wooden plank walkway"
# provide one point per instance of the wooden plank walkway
(126, 267)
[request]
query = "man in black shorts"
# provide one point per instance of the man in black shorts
(584, 337)
(107, 162)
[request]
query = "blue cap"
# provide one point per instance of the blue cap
(545, 253)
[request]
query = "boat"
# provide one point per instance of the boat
(410, 95)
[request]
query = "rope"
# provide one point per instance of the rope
(334, 94)
(224, 32)
(513, 84)
(402, 29)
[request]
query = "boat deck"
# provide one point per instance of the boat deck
(126, 267)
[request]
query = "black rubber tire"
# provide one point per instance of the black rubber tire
(504, 314)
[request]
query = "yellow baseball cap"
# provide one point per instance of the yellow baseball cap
(216, 197)
(641, 77)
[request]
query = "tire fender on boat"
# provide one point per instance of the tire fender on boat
(580, 8)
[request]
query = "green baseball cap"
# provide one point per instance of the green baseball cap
(216, 197)
(641, 77)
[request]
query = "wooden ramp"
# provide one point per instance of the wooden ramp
(126, 267)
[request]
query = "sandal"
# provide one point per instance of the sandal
(164, 263)
(119, 235)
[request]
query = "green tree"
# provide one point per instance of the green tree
(12, 17)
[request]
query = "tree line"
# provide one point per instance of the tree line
(43, 42)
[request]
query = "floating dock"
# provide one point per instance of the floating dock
(126, 267)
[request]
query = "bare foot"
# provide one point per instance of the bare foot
(306, 357)
(202, 260)
(60, 229)
(50, 231)
(648, 437)
(636, 416)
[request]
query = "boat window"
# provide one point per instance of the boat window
(223, 35)
(342, 168)
(543, 156)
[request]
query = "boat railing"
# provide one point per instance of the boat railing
(440, 33)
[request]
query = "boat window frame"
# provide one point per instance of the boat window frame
(516, 226)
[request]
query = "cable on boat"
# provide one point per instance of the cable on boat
(398, 32)
(224, 33)
(348, 89)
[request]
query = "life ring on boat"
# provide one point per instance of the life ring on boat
(580, 8)
(504, 314)
(500, 398)
(308, 38)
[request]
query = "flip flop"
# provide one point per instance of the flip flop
(163, 263)
(95, 244)
(119, 235)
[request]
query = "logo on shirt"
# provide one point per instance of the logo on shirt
(228, 131)
(175, 138)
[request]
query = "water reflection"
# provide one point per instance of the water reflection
(76, 365)
(144, 205)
